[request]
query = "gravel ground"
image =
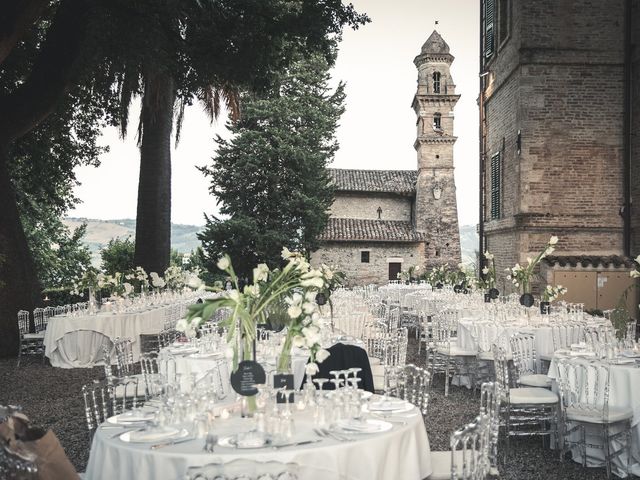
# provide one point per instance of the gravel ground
(51, 397)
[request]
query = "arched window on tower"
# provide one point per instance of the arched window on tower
(437, 120)
(436, 82)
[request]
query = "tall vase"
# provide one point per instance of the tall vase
(92, 306)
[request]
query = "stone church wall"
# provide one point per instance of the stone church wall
(346, 256)
(365, 206)
(635, 130)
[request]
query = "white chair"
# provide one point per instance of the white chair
(585, 389)
(468, 458)
(524, 411)
(30, 343)
(523, 348)
(413, 384)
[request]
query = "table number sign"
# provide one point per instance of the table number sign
(248, 374)
(283, 380)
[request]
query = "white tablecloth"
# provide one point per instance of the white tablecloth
(401, 453)
(75, 342)
(624, 391)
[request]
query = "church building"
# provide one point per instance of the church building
(383, 222)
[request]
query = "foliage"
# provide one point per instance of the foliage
(277, 159)
(117, 256)
(438, 275)
(411, 274)
(521, 276)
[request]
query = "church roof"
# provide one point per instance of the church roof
(355, 229)
(388, 181)
(435, 44)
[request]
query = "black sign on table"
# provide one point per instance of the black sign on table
(245, 378)
(285, 380)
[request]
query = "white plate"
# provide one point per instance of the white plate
(131, 417)
(391, 406)
(206, 355)
(152, 436)
(231, 441)
(370, 425)
(183, 350)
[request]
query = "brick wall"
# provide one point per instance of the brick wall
(558, 79)
(345, 256)
(365, 206)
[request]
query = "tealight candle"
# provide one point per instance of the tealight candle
(300, 405)
(225, 414)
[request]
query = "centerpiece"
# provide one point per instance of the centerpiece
(521, 276)
(489, 277)
(549, 294)
(297, 284)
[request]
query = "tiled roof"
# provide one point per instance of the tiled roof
(391, 181)
(589, 260)
(355, 229)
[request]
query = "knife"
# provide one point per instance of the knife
(172, 442)
(295, 444)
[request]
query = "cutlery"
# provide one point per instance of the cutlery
(137, 429)
(210, 442)
(171, 442)
(295, 444)
(335, 436)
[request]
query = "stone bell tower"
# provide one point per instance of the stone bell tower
(436, 211)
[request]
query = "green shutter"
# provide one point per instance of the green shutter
(489, 22)
(496, 180)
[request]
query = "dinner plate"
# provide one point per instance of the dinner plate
(154, 435)
(245, 441)
(131, 417)
(183, 350)
(394, 406)
(205, 355)
(369, 425)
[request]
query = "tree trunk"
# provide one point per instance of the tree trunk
(19, 286)
(153, 222)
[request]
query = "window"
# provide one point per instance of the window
(504, 16)
(496, 184)
(436, 82)
(364, 256)
(437, 120)
(489, 12)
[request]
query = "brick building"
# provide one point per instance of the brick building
(557, 154)
(385, 221)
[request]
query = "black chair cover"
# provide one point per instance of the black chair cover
(343, 357)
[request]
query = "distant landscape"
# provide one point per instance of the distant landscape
(184, 239)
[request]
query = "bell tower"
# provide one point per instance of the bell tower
(436, 212)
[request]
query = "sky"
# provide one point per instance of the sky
(377, 130)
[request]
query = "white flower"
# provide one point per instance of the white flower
(228, 353)
(322, 355)
(260, 273)
(516, 284)
(310, 296)
(223, 263)
(286, 254)
(181, 325)
(637, 259)
(485, 270)
(55, 247)
(196, 321)
(529, 260)
(634, 273)
(553, 240)
(312, 283)
(128, 288)
(294, 311)
(298, 341)
(311, 335)
(233, 295)
(550, 250)
(194, 282)
(309, 308)
(488, 256)
(311, 369)
(295, 299)
(253, 290)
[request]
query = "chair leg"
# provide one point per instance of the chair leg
(19, 354)
(607, 450)
(446, 379)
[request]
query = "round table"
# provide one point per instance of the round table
(402, 452)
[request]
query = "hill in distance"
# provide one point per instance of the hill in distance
(184, 239)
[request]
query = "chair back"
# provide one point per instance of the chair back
(490, 406)
(501, 367)
(413, 384)
(167, 337)
(124, 356)
(584, 386)
(99, 402)
(523, 348)
(23, 322)
(473, 441)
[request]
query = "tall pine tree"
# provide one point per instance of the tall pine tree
(271, 177)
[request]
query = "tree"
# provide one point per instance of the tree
(271, 178)
(115, 49)
(117, 256)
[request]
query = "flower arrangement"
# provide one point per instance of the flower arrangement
(489, 271)
(521, 275)
(550, 293)
(139, 276)
(174, 278)
(297, 284)
(410, 274)
(157, 281)
(438, 275)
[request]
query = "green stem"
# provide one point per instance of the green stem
(285, 355)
